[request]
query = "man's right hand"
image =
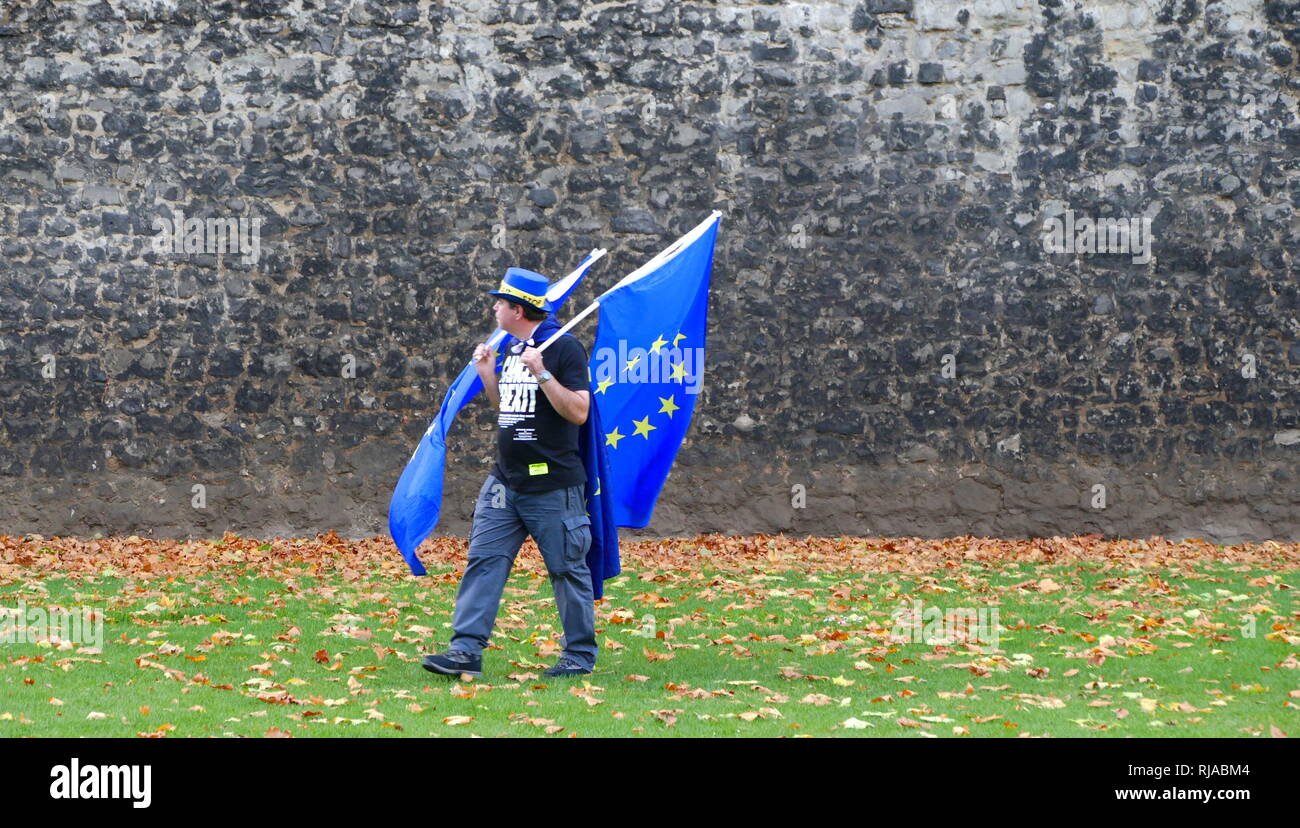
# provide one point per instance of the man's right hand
(485, 365)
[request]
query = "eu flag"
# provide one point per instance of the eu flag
(647, 370)
(603, 557)
(416, 504)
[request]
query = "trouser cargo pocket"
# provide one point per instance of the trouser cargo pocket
(577, 541)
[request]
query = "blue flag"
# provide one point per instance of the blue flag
(647, 370)
(603, 558)
(416, 504)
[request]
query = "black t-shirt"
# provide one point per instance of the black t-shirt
(537, 449)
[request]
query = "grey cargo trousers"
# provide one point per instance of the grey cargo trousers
(558, 522)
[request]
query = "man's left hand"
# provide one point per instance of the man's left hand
(532, 360)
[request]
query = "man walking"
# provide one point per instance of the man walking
(536, 485)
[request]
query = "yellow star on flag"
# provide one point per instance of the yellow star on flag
(633, 361)
(679, 371)
(668, 406)
(643, 427)
(612, 438)
(657, 344)
(603, 385)
(679, 336)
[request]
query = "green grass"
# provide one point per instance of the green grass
(836, 664)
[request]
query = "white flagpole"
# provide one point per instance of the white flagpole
(649, 267)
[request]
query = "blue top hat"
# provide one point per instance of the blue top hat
(524, 287)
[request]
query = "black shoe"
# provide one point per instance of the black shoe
(454, 662)
(566, 667)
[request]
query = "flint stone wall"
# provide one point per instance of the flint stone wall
(892, 348)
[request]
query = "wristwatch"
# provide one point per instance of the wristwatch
(543, 377)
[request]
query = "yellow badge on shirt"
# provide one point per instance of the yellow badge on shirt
(536, 468)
